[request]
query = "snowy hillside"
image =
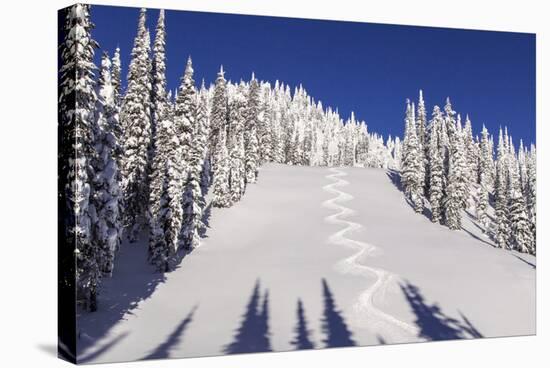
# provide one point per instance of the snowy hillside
(366, 271)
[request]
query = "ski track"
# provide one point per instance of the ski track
(365, 313)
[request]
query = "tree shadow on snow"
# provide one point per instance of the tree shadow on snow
(488, 232)
(205, 220)
(173, 340)
(337, 333)
(133, 281)
(102, 350)
(253, 333)
(526, 262)
(302, 339)
(477, 237)
(433, 323)
(252, 336)
(395, 178)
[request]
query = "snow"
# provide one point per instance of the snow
(393, 275)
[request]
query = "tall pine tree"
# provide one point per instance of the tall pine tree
(136, 122)
(437, 175)
(251, 137)
(457, 181)
(501, 195)
(106, 193)
(412, 171)
(159, 98)
(237, 117)
(77, 99)
(194, 144)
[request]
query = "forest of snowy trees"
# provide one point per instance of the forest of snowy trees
(147, 158)
(445, 166)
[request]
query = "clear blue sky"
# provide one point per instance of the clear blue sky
(367, 68)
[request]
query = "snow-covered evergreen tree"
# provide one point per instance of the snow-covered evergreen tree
(470, 151)
(457, 181)
(486, 162)
(116, 77)
(482, 206)
(184, 116)
(522, 167)
(265, 124)
(486, 179)
(521, 230)
(437, 175)
(397, 153)
(421, 120)
(77, 99)
(218, 115)
(250, 136)
(531, 182)
(158, 93)
(502, 236)
(107, 227)
(136, 122)
(165, 207)
(222, 192)
(203, 118)
(163, 242)
(423, 135)
(195, 145)
(237, 118)
(412, 171)
(531, 192)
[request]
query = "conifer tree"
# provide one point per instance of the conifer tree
(265, 125)
(437, 176)
(203, 117)
(159, 98)
(521, 235)
(397, 153)
(531, 182)
(222, 193)
(423, 135)
(421, 121)
(522, 167)
(501, 195)
(485, 174)
(486, 163)
(184, 115)
(457, 187)
(77, 100)
(195, 145)
(470, 152)
(163, 242)
(218, 116)
(116, 76)
(250, 136)
(237, 117)
(412, 172)
(449, 118)
(165, 207)
(531, 193)
(136, 123)
(106, 193)
(482, 205)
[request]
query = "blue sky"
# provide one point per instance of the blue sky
(363, 67)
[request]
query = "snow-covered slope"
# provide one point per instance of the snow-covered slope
(344, 241)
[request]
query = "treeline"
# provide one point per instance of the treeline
(140, 162)
(443, 165)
